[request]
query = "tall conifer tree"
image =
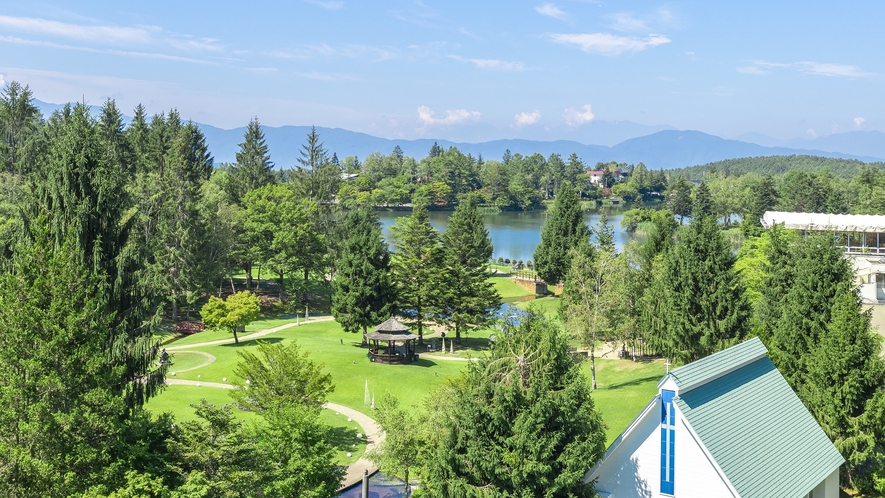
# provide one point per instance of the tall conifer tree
(417, 268)
(469, 298)
(253, 168)
(564, 230)
(363, 293)
(702, 296)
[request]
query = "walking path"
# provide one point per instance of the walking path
(255, 335)
(209, 360)
(371, 429)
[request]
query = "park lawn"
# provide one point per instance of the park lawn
(509, 290)
(549, 305)
(185, 360)
(624, 389)
(328, 344)
(209, 335)
(177, 400)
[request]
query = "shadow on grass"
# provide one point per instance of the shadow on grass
(342, 438)
(252, 342)
(634, 382)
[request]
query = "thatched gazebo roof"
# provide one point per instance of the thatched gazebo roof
(391, 330)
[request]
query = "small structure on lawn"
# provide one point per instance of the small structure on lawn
(400, 343)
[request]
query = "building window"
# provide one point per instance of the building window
(668, 442)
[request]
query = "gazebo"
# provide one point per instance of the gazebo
(393, 332)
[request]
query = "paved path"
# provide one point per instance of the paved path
(209, 360)
(371, 430)
(260, 333)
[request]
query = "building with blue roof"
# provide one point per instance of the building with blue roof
(727, 425)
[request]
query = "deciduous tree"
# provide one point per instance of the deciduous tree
(233, 313)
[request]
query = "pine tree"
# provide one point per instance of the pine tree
(20, 120)
(845, 386)
(469, 298)
(701, 296)
(363, 292)
(526, 405)
(680, 199)
(417, 268)
(253, 168)
(605, 235)
(563, 231)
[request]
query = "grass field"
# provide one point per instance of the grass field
(625, 387)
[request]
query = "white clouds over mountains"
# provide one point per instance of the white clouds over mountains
(525, 119)
(577, 117)
(452, 117)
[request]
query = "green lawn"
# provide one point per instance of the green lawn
(509, 290)
(625, 387)
(178, 400)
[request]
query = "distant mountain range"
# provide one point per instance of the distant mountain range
(663, 149)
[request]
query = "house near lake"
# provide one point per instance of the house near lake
(727, 425)
(860, 236)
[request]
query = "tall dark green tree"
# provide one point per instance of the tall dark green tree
(363, 292)
(317, 177)
(564, 230)
(253, 168)
(680, 199)
(468, 297)
(417, 268)
(605, 234)
(519, 423)
(701, 297)
(19, 121)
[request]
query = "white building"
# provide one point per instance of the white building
(727, 425)
(861, 236)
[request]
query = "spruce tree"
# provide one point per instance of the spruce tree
(20, 120)
(417, 268)
(702, 297)
(845, 387)
(563, 231)
(253, 168)
(363, 293)
(814, 271)
(528, 407)
(469, 298)
(605, 234)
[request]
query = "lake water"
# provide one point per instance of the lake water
(514, 235)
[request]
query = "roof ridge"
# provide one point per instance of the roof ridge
(710, 368)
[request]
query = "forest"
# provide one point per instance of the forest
(111, 230)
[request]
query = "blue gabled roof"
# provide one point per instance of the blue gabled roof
(753, 424)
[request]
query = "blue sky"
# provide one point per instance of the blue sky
(466, 71)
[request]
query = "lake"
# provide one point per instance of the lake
(514, 234)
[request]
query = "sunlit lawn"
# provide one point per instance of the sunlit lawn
(509, 290)
(624, 390)
(177, 399)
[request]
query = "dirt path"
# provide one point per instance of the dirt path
(254, 335)
(370, 428)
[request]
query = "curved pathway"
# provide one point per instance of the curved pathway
(209, 360)
(373, 432)
(254, 335)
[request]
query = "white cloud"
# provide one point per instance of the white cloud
(493, 64)
(624, 21)
(356, 51)
(858, 121)
(2, 81)
(125, 53)
(820, 68)
(550, 10)
(112, 34)
(751, 70)
(452, 117)
(525, 119)
(609, 44)
(577, 117)
(326, 4)
(811, 132)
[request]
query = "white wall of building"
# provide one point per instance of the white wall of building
(633, 470)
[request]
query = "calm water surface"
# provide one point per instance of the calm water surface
(514, 235)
